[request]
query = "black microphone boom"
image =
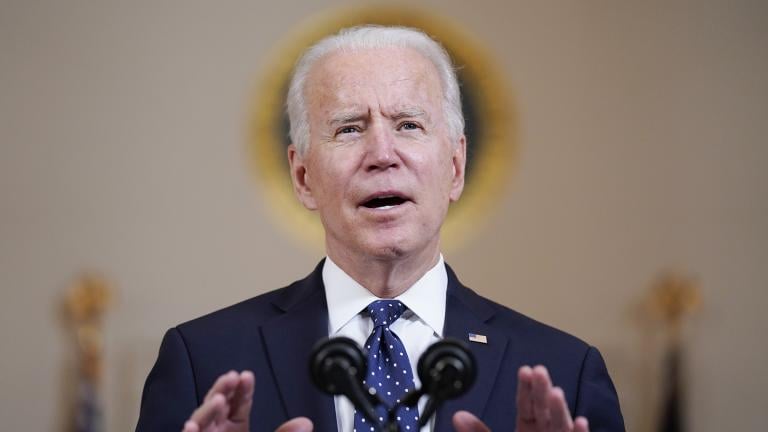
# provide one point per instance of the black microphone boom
(447, 370)
(337, 367)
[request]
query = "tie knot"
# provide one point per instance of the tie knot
(385, 312)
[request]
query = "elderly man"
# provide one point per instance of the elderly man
(379, 153)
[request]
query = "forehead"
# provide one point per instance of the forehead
(387, 77)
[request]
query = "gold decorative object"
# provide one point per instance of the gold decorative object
(85, 304)
(673, 297)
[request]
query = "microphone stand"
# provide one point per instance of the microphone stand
(446, 369)
(336, 367)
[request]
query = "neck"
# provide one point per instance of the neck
(385, 277)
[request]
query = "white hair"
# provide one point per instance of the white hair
(372, 37)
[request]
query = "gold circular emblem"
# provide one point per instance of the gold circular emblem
(488, 112)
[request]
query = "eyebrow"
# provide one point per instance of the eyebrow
(347, 117)
(409, 112)
(352, 117)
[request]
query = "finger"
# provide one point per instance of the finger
(581, 425)
(190, 426)
(540, 395)
(209, 412)
(225, 384)
(524, 394)
(242, 399)
(560, 416)
(464, 421)
(299, 424)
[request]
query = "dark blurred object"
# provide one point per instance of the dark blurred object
(85, 304)
(674, 297)
(672, 417)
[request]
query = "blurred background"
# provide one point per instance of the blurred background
(640, 151)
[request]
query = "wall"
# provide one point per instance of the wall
(641, 148)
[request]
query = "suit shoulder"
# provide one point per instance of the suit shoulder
(524, 329)
(251, 312)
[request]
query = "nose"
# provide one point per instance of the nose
(381, 151)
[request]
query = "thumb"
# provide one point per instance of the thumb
(298, 424)
(464, 421)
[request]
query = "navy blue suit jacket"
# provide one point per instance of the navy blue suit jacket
(273, 334)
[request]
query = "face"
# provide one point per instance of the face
(381, 168)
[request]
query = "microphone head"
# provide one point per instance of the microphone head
(335, 356)
(447, 369)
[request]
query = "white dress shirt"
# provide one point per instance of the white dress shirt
(419, 327)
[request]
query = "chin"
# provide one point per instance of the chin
(385, 251)
(392, 246)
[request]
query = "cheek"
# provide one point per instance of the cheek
(328, 180)
(443, 172)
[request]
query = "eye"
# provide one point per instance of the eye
(347, 130)
(409, 125)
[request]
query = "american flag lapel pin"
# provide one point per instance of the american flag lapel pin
(478, 338)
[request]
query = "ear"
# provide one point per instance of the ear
(459, 162)
(300, 178)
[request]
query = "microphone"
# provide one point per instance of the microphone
(337, 367)
(447, 370)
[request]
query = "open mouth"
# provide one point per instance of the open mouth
(384, 202)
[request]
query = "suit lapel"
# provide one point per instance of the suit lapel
(466, 313)
(289, 339)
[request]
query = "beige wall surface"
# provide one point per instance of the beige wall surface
(641, 147)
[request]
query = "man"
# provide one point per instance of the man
(379, 152)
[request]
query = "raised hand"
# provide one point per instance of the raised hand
(540, 407)
(227, 407)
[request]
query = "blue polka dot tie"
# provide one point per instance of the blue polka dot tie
(389, 370)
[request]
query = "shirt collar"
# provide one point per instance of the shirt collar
(346, 297)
